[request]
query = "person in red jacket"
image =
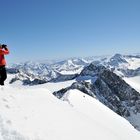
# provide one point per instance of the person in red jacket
(3, 74)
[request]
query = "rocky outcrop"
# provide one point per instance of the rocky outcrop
(109, 89)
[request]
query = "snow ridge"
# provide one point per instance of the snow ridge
(110, 89)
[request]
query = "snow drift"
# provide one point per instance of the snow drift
(35, 114)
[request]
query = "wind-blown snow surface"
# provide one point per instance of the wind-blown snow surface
(35, 114)
(134, 82)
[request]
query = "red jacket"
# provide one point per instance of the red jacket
(2, 59)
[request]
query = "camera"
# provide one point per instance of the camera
(4, 46)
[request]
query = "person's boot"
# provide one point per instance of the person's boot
(2, 86)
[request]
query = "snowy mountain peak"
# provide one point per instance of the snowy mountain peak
(117, 59)
(92, 70)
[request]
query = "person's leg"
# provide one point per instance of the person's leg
(0, 76)
(3, 75)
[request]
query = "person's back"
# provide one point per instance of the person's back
(3, 75)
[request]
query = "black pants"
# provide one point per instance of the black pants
(3, 75)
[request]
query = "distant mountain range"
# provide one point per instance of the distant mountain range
(41, 72)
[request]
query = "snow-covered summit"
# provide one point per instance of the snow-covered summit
(35, 114)
(117, 60)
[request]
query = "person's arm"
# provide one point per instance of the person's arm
(4, 51)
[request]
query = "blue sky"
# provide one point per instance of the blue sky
(50, 29)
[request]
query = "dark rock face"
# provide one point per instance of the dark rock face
(28, 81)
(62, 77)
(34, 82)
(12, 70)
(92, 70)
(131, 72)
(31, 79)
(108, 88)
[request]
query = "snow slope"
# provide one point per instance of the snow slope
(134, 63)
(35, 114)
(134, 82)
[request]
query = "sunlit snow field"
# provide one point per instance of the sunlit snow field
(33, 113)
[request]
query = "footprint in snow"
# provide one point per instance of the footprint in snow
(7, 106)
(5, 100)
(9, 122)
